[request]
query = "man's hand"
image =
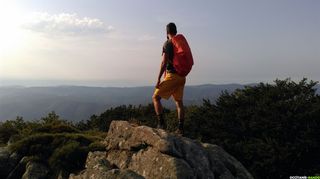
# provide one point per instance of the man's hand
(158, 83)
(162, 69)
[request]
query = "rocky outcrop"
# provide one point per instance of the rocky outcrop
(97, 167)
(19, 169)
(144, 152)
(35, 170)
(7, 161)
(13, 166)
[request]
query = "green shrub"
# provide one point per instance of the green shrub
(6, 132)
(71, 156)
(272, 129)
(64, 151)
(96, 133)
(56, 128)
(97, 146)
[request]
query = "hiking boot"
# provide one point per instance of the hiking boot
(161, 124)
(179, 132)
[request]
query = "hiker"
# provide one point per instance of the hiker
(176, 63)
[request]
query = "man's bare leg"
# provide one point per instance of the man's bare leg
(157, 104)
(180, 110)
(159, 111)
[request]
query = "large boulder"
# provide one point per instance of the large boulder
(154, 153)
(97, 167)
(19, 169)
(8, 161)
(4, 158)
(35, 170)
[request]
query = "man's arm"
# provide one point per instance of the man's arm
(162, 68)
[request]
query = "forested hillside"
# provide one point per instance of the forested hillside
(77, 103)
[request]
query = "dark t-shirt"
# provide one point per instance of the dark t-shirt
(168, 50)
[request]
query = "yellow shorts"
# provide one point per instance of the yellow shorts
(172, 84)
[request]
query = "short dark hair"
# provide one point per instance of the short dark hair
(171, 28)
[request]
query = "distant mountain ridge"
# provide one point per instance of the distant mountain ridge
(80, 102)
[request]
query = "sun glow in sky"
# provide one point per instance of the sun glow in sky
(118, 43)
(10, 34)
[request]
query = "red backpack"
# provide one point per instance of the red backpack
(182, 59)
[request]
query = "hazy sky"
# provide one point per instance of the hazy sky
(118, 43)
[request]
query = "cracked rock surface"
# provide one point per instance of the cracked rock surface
(144, 152)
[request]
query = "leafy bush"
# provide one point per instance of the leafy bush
(66, 152)
(55, 128)
(97, 146)
(7, 130)
(272, 129)
(70, 156)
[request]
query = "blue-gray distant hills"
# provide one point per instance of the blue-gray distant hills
(79, 103)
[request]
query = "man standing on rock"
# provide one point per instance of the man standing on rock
(176, 63)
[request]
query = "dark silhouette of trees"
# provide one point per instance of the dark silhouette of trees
(273, 129)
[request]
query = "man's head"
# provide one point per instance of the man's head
(171, 29)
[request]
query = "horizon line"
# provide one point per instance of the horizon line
(121, 83)
(93, 86)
